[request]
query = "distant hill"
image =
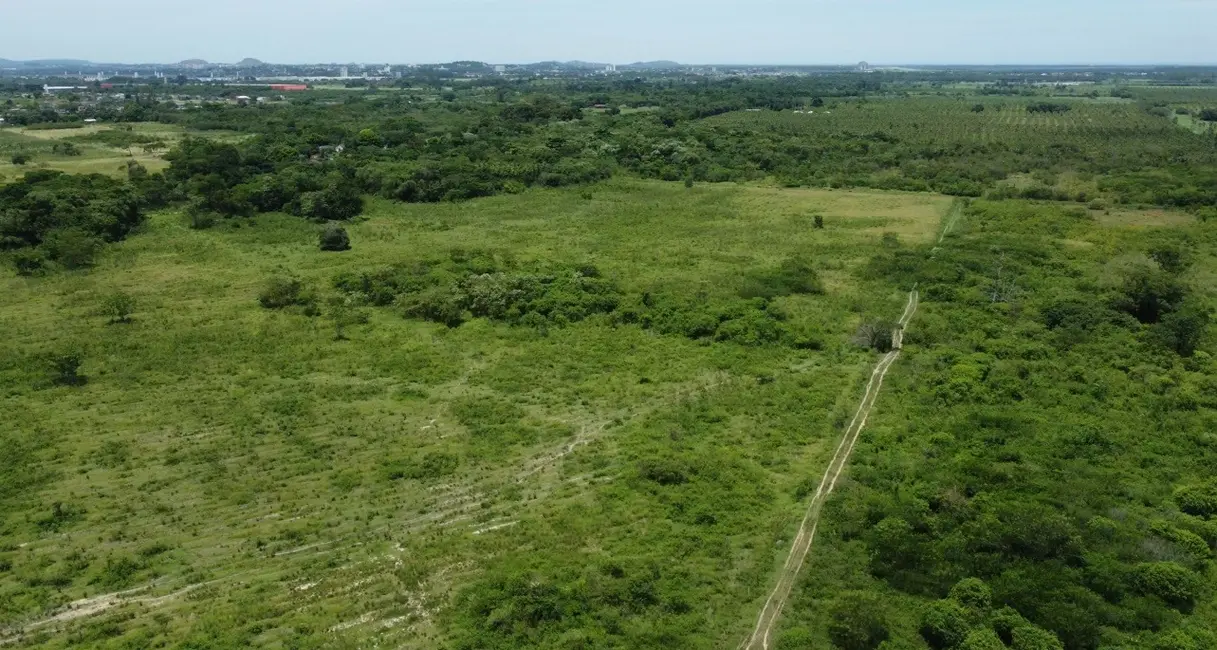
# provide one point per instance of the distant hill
(653, 65)
(585, 64)
(193, 62)
(249, 63)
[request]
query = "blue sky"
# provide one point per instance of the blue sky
(617, 31)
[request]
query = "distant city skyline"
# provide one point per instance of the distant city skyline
(705, 32)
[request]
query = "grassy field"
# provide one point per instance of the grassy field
(236, 474)
(96, 155)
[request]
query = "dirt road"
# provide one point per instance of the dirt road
(759, 640)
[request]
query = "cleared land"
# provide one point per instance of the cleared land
(267, 484)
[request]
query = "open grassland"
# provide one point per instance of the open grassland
(241, 477)
(100, 148)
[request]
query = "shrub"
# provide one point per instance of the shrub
(119, 307)
(1198, 500)
(795, 275)
(30, 261)
(944, 624)
(432, 465)
(285, 292)
(818, 222)
(982, 639)
(65, 368)
(1030, 637)
(1182, 330)
(200, 217)
(1149, 294)
(73, 248)
(1177, 640)
(334, 238)
(972, 593)
(856, 622)
(65, 149)
(1005, 621)
(1173, 583)
(20, 158)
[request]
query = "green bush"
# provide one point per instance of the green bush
(1175, 584)
(982, 639)
(944, 624)
(795, 275)
(857, 621)
(73, 248)
(283, 292)
(334, 238)
(972, 593)
(1034, 638)
(432, 465)
(65, 368)
(119, 307)
(1198, 500)
(30, 261)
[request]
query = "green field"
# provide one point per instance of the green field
(232, 464)
(97, 155)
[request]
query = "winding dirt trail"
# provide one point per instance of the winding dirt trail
(807, 529)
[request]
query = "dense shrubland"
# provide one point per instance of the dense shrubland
(56, 219)
(1050, 446)
(483, 284)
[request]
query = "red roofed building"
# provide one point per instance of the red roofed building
(288, 87)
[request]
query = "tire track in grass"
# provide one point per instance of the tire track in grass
(772, 610)
(799, 550)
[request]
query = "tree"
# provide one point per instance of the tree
(817, 102)
(344, 315)
(334, 238)
(65, 368)
(20, 158)
(1150, 293)
(876, 335)
(1183, 330)
(1209, 115)
(119, 307)
(978, 108)
(944, 624)
(857, 622)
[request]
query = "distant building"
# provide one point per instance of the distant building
(864, 67)
(500, 69)
(610, 68)
(59, 89)
(344, 72)
(288, 87)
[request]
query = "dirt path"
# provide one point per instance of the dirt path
(768, 618)
(807, 529)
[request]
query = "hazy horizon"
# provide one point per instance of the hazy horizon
(766, 32)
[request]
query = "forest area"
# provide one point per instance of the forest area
(558, 363)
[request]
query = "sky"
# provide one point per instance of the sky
(616, 31)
